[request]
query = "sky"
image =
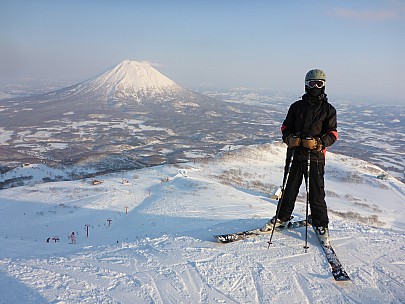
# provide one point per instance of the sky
(220, 44)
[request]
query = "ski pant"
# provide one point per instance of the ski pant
(317, 202)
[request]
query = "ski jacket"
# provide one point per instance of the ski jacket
(313, 117)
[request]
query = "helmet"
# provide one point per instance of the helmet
(315, 74)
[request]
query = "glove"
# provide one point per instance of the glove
(293, 141)
(319, 145)
(312, 143)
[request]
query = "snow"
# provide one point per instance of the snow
(162, 250)
(130, 77)
(127, 81)
(5, 136)
(32, 174)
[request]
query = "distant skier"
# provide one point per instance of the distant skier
(309, 127)
(73, 238)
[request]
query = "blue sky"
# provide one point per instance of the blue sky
(261, 44)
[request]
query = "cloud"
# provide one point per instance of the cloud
(369, 15)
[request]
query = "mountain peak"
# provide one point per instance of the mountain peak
(129, 80)
(131, 77)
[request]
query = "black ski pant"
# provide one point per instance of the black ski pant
(298, 172)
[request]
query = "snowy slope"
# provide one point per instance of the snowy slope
(31, 174)
(162, 250)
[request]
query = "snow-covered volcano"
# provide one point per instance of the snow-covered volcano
(130, 106)
(133, 75)
(129, 80)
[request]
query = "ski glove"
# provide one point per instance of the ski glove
(293, 141)
(312, 143)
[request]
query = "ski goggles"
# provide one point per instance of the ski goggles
(318, 83)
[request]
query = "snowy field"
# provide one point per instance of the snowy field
(150, 236)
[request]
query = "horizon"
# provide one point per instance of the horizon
(41, 86)
(207, 44)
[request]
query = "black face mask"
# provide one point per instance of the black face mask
(315, 92)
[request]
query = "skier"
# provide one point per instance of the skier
(73, 238)
(309, 127)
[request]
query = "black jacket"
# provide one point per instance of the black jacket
(313, 117)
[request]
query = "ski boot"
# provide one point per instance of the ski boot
(279, 224)
(323, 235)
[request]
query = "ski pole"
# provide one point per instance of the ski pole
(307, 188)
(281, 196)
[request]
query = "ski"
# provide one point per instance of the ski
(338, 272)
(238, 236)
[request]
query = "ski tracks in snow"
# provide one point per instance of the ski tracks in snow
(177, 269)
(149, 272)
